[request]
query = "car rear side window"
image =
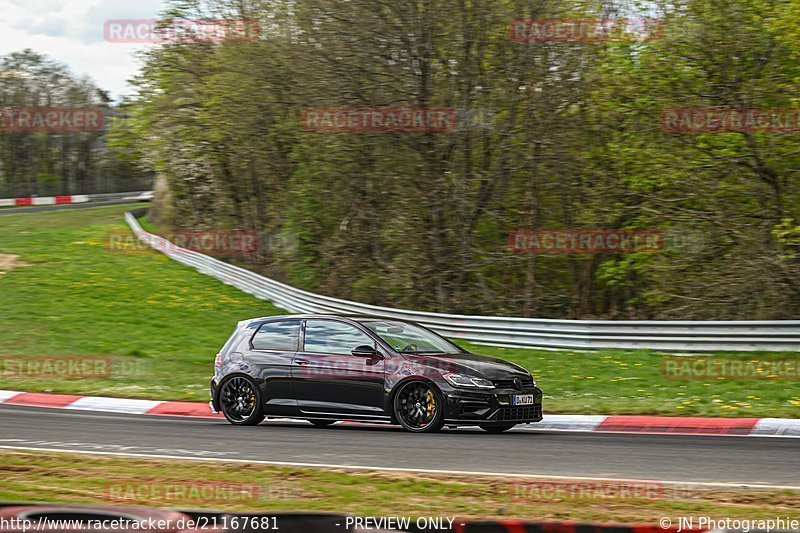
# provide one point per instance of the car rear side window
(330, 336)
(277, 336)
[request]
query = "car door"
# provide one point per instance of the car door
(270, 352)
(329, 379)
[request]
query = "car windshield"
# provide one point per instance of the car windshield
(408, 338)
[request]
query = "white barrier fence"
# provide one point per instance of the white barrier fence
(672, 336)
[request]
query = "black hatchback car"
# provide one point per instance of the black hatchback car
(328, 368)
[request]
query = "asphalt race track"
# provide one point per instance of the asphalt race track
(687, 459)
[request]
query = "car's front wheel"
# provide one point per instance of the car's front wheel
(418, 407)
(241, 402)
(496, 428)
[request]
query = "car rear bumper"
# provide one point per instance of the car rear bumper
(214, 403)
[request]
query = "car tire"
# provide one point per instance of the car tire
(412, 403)
(496, 428)
(240, 401)
(321, 422)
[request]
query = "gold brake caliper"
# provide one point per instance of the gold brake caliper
(431, 404)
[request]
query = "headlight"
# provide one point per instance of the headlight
(464, 380)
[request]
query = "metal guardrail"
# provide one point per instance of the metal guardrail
(672, 336)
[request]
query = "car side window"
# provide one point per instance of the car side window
(330, 336)
(279, 336)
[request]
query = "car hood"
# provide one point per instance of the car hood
(469, 363)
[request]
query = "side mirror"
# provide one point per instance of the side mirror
(366, 350)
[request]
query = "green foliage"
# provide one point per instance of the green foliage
(571, 137)
(54, 163)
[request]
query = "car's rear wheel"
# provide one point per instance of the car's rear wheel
(418, 407)
(241, 402)
(321, 422)
(496, 428)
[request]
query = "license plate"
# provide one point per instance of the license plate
(523, 399)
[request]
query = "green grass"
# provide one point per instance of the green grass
(162, 323)
(78, 298)
(68, 477)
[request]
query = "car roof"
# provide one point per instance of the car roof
(353, 318)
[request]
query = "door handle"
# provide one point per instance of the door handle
(301, 361)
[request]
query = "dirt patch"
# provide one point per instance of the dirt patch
(9, 262)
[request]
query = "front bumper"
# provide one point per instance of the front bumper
(487, 406)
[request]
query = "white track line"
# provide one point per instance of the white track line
(417, 470)
(7, 394)
(113, 405)
(776, 427)
(43, 200)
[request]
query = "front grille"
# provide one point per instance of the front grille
(520, 412)
(527, 383)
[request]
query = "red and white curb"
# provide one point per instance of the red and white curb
(44, 200)
(759, 427)
(106, 405)
(762, 427)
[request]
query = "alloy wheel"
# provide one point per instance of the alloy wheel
(239, 401)
(417, 407)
